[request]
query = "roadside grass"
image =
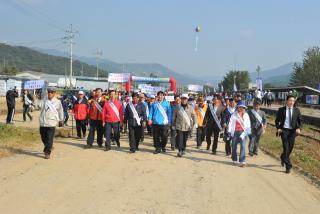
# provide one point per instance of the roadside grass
(306, 153)
(14, 140)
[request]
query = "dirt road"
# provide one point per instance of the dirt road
(78, 180)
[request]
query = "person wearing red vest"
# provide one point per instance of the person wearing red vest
(112, 118)
(96, 105)
(80, 111)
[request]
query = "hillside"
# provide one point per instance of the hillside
(24, 58)
(139, 69)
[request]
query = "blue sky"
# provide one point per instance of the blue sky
(237, 34)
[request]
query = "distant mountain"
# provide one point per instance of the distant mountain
(279, 76)
(138, 69)
(24, 58)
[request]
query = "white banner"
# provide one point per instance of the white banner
(169, 98)
(119, 77)
(197, 88)
(151, 90)
(3, 90)
(33, 84)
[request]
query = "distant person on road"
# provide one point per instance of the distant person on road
(288, 122)
(258, 121)
(228, 112)
(11, 96)
(201, 109)
(51, 114)
(239, 129)
(27, 104)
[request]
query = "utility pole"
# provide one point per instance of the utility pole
(4, 62)
(69, 39)
(258, 70)
(82, 71)
(98, 55)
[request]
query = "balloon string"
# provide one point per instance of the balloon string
(197, 38)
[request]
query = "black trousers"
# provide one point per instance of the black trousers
(108, 133)
(215, 132)
(160, 136)
(142, 134)
(81, 126)
(150, 130)
(288, 138)
(10, 114)
(201, 133)
(26, 112)
(182, 137)
(134, 137)
(47, 135)
(173, 139)
(95, 125)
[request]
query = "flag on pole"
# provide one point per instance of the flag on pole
(235, 87)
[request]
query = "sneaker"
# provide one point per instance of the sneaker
(179, 154)
(183, 152)
(156, 151)
(243, 164)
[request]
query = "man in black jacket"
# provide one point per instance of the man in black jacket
(288, 123)
(214, 122)
(11, 96)
(136, 116)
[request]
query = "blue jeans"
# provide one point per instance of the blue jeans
(235, 140)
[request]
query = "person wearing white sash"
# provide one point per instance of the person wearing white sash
(228, 112)
(112, 118)
(160, 118)
(258, 125)
(214, 122)
(27, 103)
(173, 137)
(183, 120)
(136, 117)
(142, 99)
(96, 105)
(239, 129)
(201, 109)
(51, 115)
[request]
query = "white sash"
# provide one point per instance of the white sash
(147, 110)
(114, 108)
(164, 114)
(98, 106)
(27, 100)
(257, 116)
(202, 112)
(241, 122)
(135, 113)
(215, 116)
(231, 110)
(185, 116)
(52, 108)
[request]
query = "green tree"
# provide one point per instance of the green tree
(241, 78)
(309, 72)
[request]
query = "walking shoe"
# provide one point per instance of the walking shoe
(100, 145)
(157, 151)
(179, 154)
(183, 152)
(235, 162)
(214, 152)
(46, 156)
(172, 148)
(108, 148)
(132, 151)
(228, 154)
(208, 147)
(88, 146)
(288, 171)
(282, 163)
(243, 164)
(118, 144)
(164, 150)
(251, 154)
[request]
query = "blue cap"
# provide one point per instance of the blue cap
(242, 104)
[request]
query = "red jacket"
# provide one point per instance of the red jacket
(94, 113)
(80, 110)
(109, 115)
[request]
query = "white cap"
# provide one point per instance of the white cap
(80, 92)
(152, 96)
(184, 96)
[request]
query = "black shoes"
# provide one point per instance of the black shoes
(164, 150)
(208, 147)
(288, 171)
(108, 148)
(157, 151)
(214, 152)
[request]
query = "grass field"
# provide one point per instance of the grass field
(306, 153)
(13, 139)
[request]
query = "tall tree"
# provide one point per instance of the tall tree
(309, 72)
(242, 79)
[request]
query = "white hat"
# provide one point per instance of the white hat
(152, 96)
(80, 92)
(185, 96)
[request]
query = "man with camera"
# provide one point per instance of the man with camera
(11, 96)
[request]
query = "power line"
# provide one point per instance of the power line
(37, 41)
(32, 12)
